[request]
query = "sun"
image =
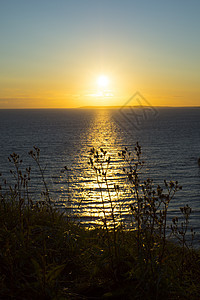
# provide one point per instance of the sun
(103, 89)
(103, 81)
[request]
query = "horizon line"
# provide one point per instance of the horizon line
(100, 107)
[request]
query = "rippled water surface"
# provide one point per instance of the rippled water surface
(170, 140)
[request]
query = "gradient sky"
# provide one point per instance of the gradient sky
(52, 52)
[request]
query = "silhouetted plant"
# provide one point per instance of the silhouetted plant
(35, 248)
(180, 230)
(20, 189)
(35, 154)
(99, 162)
(149, 211)
(49, 257)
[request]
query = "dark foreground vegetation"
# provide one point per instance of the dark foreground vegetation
(45, 254)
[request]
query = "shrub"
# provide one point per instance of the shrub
(45, 254)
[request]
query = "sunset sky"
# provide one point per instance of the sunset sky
(72, 53)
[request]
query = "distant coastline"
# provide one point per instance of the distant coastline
(133, 106)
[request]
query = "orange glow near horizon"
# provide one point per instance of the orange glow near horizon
(97, 90)
(93, 88)
(106, 89)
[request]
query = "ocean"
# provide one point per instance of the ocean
(169, 137)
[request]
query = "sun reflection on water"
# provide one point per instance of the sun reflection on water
(91, 198)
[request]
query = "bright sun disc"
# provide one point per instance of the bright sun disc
(102, 81)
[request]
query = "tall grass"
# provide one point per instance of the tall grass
(45, 254)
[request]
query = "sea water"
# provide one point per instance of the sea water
(169, 137)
